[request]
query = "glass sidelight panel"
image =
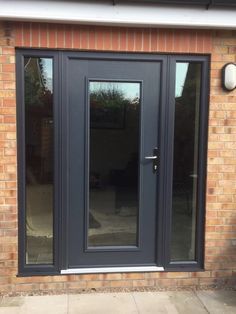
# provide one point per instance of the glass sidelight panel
(38, 82)
(185, 164)
(114, 163)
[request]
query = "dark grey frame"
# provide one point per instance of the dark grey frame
(134, 57)
(36, 269)
(166, 124)
(198, 264)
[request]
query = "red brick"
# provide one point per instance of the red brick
(99, 39)
(51, 36)
(18, 34)
(138, 43)
(8, 67)
(115, 41)
(123, 39)
(68, 37)
(92, 38)
(107, 38)
(43, 35)
(8, 50)
(26, 34)
(84, 37)
(154, 39)
(146, 40)
(60, 36)
(130, 40)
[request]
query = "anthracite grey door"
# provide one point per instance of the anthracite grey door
(110, 124)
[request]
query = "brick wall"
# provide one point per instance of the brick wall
(220, 246)
(220, 243)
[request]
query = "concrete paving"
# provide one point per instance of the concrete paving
(168, 302)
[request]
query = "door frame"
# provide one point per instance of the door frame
(165, 123)
(162, 100)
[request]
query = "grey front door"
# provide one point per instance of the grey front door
(111, 112)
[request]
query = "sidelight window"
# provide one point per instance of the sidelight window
(39, 173)
(185, 160)
(187, 136)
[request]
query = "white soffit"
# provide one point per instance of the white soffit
(126, 14)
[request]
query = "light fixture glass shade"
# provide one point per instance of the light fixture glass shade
(229, 76)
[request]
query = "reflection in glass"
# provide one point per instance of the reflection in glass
(187, 102)
(114, 156)
(39, 159)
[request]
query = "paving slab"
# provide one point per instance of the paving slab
(35, 305)
(57, 304)
(163, 302)
(10, 310)
(154, 302)
(218, 302)
(187, 302)
(11, 305)
(104, 303)
(11, 301)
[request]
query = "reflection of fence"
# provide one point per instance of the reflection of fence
(46, 137)
(182, 197)
(46, 147)
(39, 210)
(104, 116)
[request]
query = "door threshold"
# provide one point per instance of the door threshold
(121, 269)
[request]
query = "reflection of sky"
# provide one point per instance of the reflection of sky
(181, 73)
(129, 89)
(47, 71)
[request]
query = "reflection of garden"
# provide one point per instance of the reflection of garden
(39, 122)
(108, 108)
(114, 149)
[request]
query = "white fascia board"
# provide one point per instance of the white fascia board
(122, 14)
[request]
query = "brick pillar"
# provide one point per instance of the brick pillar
(8, 183)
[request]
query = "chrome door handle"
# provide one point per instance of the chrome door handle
(151, 157)
(154, 159)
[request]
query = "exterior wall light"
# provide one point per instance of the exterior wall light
(229, 76)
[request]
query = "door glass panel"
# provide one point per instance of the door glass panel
(114, 163)
(38, 77)
(185, 166)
